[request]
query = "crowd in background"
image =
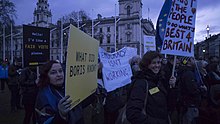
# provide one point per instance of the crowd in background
(156, 95)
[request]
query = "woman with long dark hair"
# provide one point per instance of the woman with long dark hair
(52, 106)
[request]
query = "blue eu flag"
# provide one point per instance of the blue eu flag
(161, 23)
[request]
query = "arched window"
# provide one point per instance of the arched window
(128, 10)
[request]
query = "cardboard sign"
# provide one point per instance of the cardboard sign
(149, 43)
(81, 66)
(180, 28)
(116, 68)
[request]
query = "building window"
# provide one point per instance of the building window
(52, 44)
(16, 47)
(37, 17)
(108, 39)
(101, 40)
(108, 29)
(108, 49)
(51, 57)
(128, 37)
(100, 30)
(58, 43)
(58, 58)
(128, 10)
(128, 26)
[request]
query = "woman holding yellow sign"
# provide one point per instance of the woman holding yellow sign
(147, 103)
(52, 106)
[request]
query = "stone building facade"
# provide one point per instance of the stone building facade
(208, 47)
(126, 29)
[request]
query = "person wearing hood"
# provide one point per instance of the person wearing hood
(148, 106)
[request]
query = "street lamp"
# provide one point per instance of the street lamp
(115, 31)
(140, 36)
(93, 25)
(203, 51)
(116, 20)
(207, 29)
(61, 42)
(3, 42)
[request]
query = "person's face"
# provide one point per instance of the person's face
(56, 75)
(164, 61)
(191, 61)
(155, 65)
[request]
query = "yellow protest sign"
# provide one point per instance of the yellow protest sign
(81, 66)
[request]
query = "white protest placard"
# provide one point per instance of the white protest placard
(116, 68)
(149, 43)
(180, 28)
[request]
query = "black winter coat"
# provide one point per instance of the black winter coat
(190, 93)
(156, 106)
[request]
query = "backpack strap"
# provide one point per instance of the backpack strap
(145, 100)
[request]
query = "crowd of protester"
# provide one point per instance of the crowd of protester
(156, 94)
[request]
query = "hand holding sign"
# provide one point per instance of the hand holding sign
(172, 81)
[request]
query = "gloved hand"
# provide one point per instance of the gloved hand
(64, 106)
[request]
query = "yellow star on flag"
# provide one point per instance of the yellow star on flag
(165, 15)
(160, 25)
(162, 29)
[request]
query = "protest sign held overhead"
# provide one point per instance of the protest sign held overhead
(81, 66)
(36, 45)
(149, 43)
(116, 69)
(180, 28)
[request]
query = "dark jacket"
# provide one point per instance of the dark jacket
(12, 76)
(28, 86)
(173, 92)
(156, 106)
(47, 109)
(189, 87)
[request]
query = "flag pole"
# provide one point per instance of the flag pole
(78, 19)
(115, 28)
(173, 70)
(140, 36)
(61, 42)
(3, 42)
(92, 25)
(12, 45)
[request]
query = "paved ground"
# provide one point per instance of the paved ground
(6, 116)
